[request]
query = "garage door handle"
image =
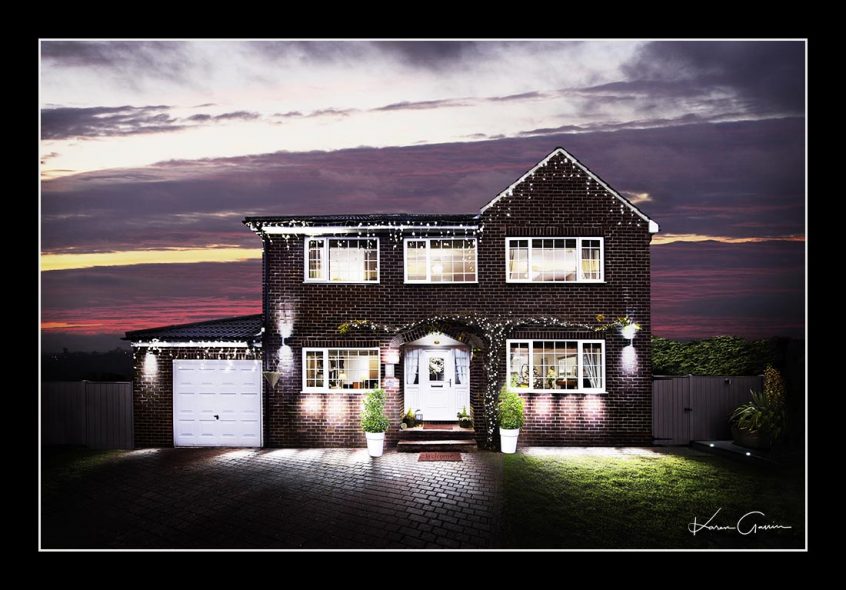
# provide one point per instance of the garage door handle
(216, 417)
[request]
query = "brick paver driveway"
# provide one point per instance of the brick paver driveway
(282, 498)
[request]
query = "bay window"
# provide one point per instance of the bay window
(437, 260)
(336, 369)
(342, 260)
(554, 260)
(556, 365)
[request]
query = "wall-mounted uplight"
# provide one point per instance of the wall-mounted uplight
(392, 357)
(629, 329)
(151, 365)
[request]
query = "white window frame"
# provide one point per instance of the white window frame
(325, 260)
(580, 364)
(579, 273)
(325, 388)
(428, 280)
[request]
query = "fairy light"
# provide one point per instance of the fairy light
(494, 331)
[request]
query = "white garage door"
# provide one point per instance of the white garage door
(217, 403)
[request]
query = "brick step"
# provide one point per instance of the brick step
(421, 434)
(422, 446)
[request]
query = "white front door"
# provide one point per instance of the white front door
(437, 372)
(216, 403)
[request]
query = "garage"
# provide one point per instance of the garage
(217, 403)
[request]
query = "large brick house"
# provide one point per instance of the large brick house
(439, 310)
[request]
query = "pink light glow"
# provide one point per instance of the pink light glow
(311, 404)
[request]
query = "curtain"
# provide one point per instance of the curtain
(593, 365)
(412, 364)
(462, 365)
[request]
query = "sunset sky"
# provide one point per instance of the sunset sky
(153, 152)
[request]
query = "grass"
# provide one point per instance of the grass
(68, 463)
(646, 501)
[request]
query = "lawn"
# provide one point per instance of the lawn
(647, 500)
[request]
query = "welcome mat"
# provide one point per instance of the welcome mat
(431, 426)
(440, 456)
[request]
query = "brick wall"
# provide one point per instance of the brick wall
(558, 200)
(152, 391)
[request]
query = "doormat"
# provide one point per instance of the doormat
(431, 426)
(438, 456)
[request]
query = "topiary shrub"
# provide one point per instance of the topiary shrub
(510, 409)
(373, 418)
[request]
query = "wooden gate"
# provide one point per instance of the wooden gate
(691, 407)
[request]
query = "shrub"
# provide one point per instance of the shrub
(765, 413)
(373, 418)
(510, 409)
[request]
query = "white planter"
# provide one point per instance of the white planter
(508, 439)
(375, 443)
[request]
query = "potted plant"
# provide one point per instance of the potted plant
(408, 419)
(464, 418)
(760, 422)
(374, 422)
(510, 409)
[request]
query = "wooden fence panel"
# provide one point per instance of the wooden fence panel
(94, 414)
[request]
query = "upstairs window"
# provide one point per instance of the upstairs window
(437, 260)
(554, 260)
(342, 260)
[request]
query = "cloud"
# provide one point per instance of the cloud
(520, 96)
(767, 75)
(160, 59)
(59, 123)
(636, 197)
(135, 297)
(68, 122)
(67, 261)
(233, 116)
(423, 104)
(707, 179)
(430, 54)
(709, 289)
(662, 238)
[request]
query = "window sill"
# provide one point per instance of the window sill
(340, 282)
(522, 282)
(334, 391)
(560, 391)
(439, 283)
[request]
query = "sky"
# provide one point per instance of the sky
(153, 151)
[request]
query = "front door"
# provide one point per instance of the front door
(437, 369)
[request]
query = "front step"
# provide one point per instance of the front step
(423, 446)
(456, 433)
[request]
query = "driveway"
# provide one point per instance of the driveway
(273, 498)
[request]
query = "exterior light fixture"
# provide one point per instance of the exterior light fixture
(748, 454)
(272, 377)
(392, 357)
(629, 331)
(711, 445)
(418, 416)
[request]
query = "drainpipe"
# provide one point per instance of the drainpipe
(264, 299)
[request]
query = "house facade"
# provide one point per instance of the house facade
(439, 310)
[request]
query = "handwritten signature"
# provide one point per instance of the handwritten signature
(748, 524)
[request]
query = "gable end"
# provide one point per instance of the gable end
(653, 226)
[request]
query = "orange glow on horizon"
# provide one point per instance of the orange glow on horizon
(50, 262)
(65, 325)
(661, 239)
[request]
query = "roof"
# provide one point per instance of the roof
(353, 219)
(653, 226)
(305, 223)
(241, 328)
